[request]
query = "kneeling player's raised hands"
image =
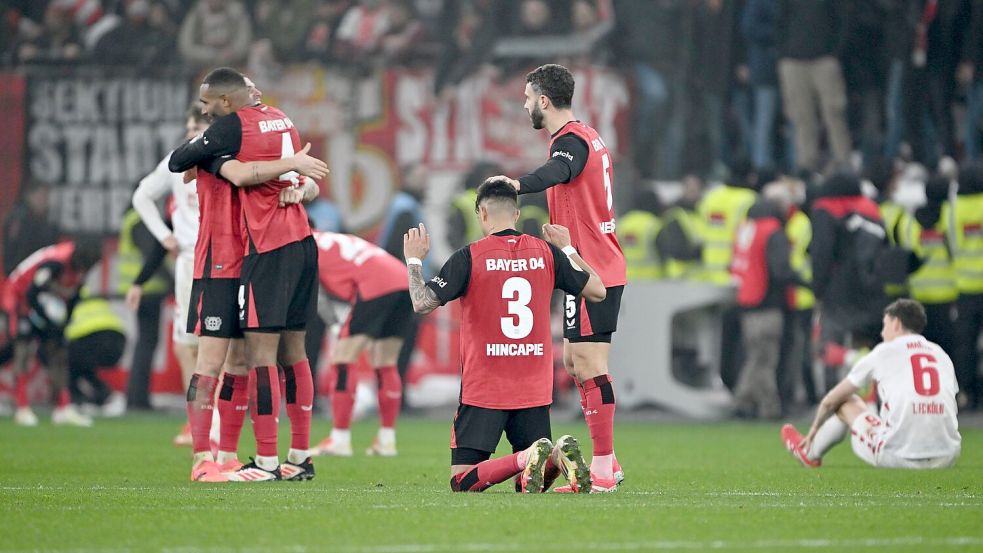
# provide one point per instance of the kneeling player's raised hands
(416, 243)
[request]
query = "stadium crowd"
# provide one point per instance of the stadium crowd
(803, 112)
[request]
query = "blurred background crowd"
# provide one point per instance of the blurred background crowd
(732, 109)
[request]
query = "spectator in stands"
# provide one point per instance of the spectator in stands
(865, 67)
(899, 33)
(58, 40)
(715, 37)
(215, 32)
(646, 43)
(143, 38)
(361, 30)
(758, 28)
(27, 228)
(276, 31)
(930, 84)
(321, 30)
(468, 31)
(971, 75)
(810, 37)
(404, 40)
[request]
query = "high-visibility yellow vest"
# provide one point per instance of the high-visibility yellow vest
(130, 260)
(720, 212)
(464, 202)
(895, 221)
(680, 268)
(935, 281)
(966, 241)
(531, 220)
(92, 315)
(799, 232)
(637, 230)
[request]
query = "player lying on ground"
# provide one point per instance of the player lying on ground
(505, 282)
(916, 385)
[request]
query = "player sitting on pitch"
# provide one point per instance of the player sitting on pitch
(916, 385)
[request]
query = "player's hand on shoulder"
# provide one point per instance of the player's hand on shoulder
(558, 235)
(416, 242)
(308, 165)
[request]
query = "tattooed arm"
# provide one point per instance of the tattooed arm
(424, 299)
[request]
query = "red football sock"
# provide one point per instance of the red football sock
(201, 401)
(390, 395)
(233, 402)
(20, 390)
(63, 398)
(486, 474)
(265, 411)
(583, 394)
(299, 389)
(599, 414)
(342, 396)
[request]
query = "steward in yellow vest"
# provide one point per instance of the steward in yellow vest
(637, 232)
(95, 341)
(718, 215)
(966, 240)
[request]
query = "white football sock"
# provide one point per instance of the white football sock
(226, 456)
(601, 466)
(830, 433)
(267, 463)
(387, 436)
(340, 436)
(297, 456)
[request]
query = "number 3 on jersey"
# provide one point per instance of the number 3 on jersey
(519, 293)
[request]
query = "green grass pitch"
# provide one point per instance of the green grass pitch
(121, 486)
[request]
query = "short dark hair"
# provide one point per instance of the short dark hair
(553, 81)
(496, 189)
(224, 78)
(909, 312)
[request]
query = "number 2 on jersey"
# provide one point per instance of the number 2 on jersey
(519, 293)
(925, 374)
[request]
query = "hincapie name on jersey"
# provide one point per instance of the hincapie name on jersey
(514, 265)
(270, 125)
(513, 350)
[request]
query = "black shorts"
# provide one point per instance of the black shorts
(584, 321)
(212, 311)
(477, 431)
(278, 289)
(383, 317)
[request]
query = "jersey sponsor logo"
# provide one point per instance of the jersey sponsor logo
(271, 125)
(439, 281)
(213, 324)
(561, 153)
(514, 265)
(607, 227)
(513, 350)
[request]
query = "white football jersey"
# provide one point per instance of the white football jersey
(158, 184)
(917, 387)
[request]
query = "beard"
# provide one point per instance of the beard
(536, 116)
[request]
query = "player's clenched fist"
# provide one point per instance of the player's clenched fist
(558, 235)
(416, 243)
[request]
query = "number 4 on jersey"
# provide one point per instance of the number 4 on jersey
(287, 150)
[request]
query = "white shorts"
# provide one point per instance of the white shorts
(184, 272)
(867, 439)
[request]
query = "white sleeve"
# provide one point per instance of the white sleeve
(861, 372)
(153, 187)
